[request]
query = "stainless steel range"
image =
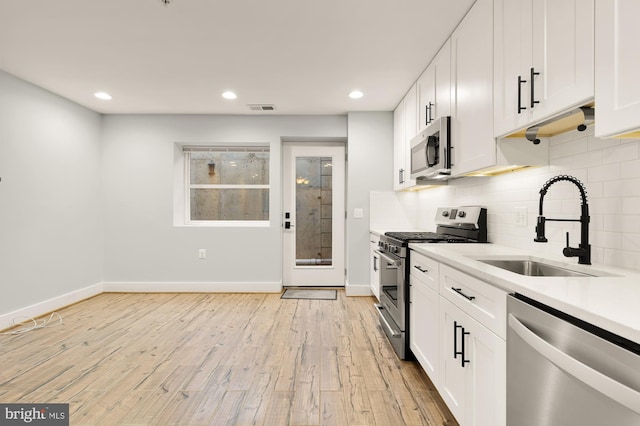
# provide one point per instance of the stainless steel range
(467, 224)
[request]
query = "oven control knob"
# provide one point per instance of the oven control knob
(394, 249)
(461, 214)
(380, 244)
(445, 213)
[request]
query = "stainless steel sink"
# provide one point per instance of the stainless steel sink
(533, 268)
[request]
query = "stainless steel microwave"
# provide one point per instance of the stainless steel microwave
(431, 151)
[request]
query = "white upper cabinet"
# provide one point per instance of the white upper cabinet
(563, 55)
(544, 60)
(513, 52)
(473, 143)
(617, 67)
(434, 88)
(405, 128)
(399, 149)
(411, 116)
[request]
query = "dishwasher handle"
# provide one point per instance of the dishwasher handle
(614, 390)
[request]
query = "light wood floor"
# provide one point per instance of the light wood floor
(217, 359)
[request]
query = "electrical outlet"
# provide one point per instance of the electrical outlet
(521, 216)
(202, 254)
(358, 213)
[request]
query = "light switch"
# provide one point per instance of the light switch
(358, 213)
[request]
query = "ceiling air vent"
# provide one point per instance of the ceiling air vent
(262, 107)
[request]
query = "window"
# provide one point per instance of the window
(227, 184)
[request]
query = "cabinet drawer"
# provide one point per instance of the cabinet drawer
(424, 271)
(482, 301)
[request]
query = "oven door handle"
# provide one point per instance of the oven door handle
(391, 262)
(393, 331)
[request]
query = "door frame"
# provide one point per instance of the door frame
(287, 280)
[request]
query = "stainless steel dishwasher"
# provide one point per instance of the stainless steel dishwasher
(562, 371)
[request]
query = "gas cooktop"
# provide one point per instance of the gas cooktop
(465, 224)
(427, 237)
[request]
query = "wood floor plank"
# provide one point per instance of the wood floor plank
(306, 402)
(244, 359)
(329, 369)
(229, 408)
(288, 367)
(386, 410)
(279, 409)
(254, 409)
(332, 409)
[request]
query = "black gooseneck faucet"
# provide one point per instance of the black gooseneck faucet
(583, 252)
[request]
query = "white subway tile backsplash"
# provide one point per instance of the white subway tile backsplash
(579, 161)
(630, 242)
(630, 169)
(606, 239)
(602, 206)
(574, 147)
(620, 258)
(604, 172)
(595, 190)
(610, 171)
(621, 223)
(594, 143)
(622, 188)
(620, 153)
(630, 205)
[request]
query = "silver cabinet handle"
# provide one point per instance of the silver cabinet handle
(617, 391)
(419, 268)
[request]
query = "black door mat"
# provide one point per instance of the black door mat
(311, 294)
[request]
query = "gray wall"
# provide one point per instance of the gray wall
(370, 168)
(140, 158)
(87, 199)
(50, 209)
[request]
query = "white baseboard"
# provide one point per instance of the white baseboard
(192, 287)
(38, 309)
(357, 290)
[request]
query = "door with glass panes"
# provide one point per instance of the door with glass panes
(313, 214)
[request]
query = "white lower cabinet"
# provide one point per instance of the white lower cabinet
(472, 377)
(424, 326)
(374, 265)
(457, 335)
(424, 317)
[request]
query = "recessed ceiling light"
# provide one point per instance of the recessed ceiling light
(229, 95)
(356, 94)
(102, 95)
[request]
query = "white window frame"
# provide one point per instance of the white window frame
(187, 150)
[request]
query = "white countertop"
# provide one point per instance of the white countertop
(610, 302)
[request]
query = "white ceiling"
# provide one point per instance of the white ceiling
(302, 56)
